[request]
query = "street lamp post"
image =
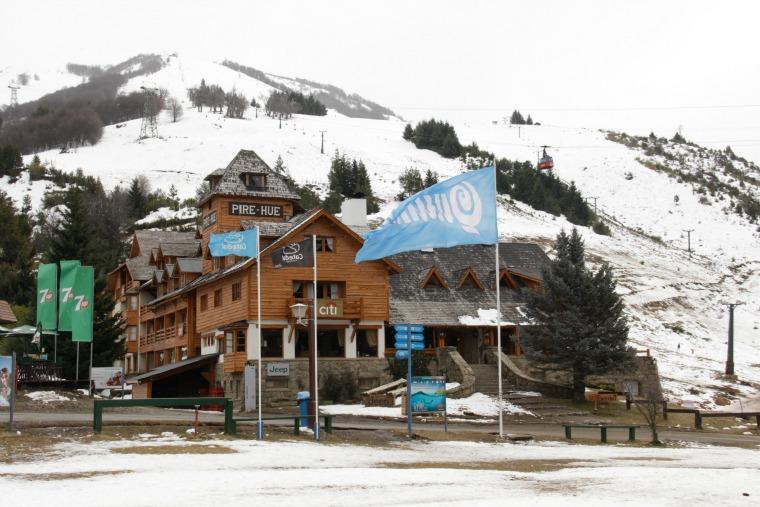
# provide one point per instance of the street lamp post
(299, 312)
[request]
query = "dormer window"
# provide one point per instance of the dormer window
(470, 280)
(434, 280)
(254, 181)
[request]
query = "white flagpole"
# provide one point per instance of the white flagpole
(316, 348)
(260, 423)
(498, 309)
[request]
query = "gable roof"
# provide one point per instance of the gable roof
(186, 249)
(230, 183)
(6, 312)
(433, 274)
(411, 303)
(190, 265)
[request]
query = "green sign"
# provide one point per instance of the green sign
(46, 296)
(81, 313)
(66, 299)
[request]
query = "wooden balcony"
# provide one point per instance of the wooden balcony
(338, 308)
(235, 362)
(158, 337)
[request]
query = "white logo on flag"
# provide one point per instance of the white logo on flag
(462, 203)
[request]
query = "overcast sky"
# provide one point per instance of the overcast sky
(584, 62)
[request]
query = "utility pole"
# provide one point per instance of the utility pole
(322, 148)
(594, 198)
(149, 126)
(730, 356)
(688, 239)
(14, 99)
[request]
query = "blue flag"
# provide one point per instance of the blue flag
(457, 211)
(242, 244)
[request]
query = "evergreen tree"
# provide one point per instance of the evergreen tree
(138, 199)
(516, 118)
(16, 253)
(411, 182)
(349, 178)
(408, 132)
(431, 179)
(529, 121)
(279, 165)
(579, 317)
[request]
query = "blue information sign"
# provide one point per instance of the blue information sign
(413, 328)
(402, 354)
(415, 337)
(403, 344)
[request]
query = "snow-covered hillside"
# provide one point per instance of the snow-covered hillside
(674, 299)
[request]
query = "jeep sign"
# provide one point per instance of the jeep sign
(278, 370)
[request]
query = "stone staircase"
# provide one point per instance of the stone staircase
(486, 383)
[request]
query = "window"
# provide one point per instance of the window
(228, 342)
(236, 292)
(217, 297)
(204, 302)
(366, 342)
(240, 340)
(331, 342)
(302, 343)
(271, 344)
(132, 333)
(133, 302)
(327, 290)
(434, 279)
(470, 280)
(254, 181)
(324, 243)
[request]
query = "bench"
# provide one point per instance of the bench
(99, 405)
(296, 421)
(699, 415)
(603, 428)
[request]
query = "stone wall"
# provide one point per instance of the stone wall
(518, 378)
(277, 390)
(450, 364)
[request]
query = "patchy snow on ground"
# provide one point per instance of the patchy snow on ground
(46, 396)
(413, 473)
(167, 214)
(478, 404)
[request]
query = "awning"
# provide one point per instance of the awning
(172, 369)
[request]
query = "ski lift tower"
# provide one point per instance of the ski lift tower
(14, 98)
(149, 124)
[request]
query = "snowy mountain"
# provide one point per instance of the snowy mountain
(674, 298)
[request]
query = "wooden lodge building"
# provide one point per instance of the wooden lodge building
(191, 319)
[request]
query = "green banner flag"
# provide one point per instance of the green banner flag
(66, 298)
(81, 313)
(46, 296)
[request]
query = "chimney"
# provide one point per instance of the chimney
(354, 212)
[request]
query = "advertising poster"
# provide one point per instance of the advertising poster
(428, 394)
(107, 377)
(6, 380)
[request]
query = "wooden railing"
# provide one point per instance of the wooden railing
(158, 336)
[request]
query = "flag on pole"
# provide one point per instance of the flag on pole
(46, 296)
(82, 311)
(457, 211)
(240, 243)
(37, 336)
(66, 301)
(294, 255)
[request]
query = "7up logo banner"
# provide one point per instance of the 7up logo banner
(66, 300)
(46, 296)
(82, 304)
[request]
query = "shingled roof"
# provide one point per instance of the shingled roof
(150, 241)
(186, 249)
(6, 313)
(230, 183)
(277, 229)
(442, 306)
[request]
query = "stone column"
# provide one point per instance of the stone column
(289, 349)
(253, 338)
(381, 342)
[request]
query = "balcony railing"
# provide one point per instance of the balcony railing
(158, 336)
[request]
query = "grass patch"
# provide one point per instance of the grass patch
(62, 476)
(174, 449)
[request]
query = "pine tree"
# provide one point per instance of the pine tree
(138, 199)
(431, 179)
(516, 118)
(411, 182)
(579, 317)
(279, 165)
(408, 132)
(16, 254)
(173, 197)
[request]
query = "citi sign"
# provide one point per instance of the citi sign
(330, 309)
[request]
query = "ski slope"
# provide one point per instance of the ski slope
(674, 299)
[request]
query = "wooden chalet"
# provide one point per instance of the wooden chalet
(200, 309)
(444, 289)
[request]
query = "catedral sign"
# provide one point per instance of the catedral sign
(255, 210)
(330, 308)
(209, 220)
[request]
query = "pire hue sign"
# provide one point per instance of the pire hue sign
(255, 210)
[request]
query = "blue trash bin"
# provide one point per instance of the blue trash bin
(303, 407)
